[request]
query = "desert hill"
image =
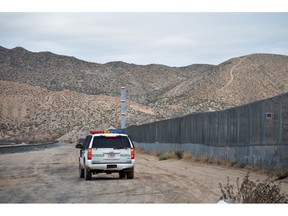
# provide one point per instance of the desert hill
(58, 72)
(31, 113)
(234, 82)
(45, 95)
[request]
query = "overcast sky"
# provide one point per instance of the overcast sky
(173, 39)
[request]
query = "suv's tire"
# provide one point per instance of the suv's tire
(87, 174)
(121, 174)
(130, 174)
(81, 172)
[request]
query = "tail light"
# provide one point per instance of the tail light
(89, 153)
(132, 153)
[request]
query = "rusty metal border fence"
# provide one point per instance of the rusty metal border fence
(253, 134)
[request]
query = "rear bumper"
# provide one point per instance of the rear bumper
(112, 167)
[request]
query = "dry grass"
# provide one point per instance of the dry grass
(166, 155)
(253, 192)
(171, 155)
(141, 151)
(207, 160)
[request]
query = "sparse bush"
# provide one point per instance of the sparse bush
(170, 154)
(165, 156)
(188, 156)
(141, 150)
(179, 154)
(253, 192)
(155, 153)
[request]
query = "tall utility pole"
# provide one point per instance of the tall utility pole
(123, 112)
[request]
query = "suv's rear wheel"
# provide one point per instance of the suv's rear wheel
(87, 174)
(130, 174)
(81, 172)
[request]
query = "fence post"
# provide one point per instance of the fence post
(262, 123)
(238, 126)
(280, 126)
(250, 116)
(228, 133)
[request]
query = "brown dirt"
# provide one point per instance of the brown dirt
(51, 176)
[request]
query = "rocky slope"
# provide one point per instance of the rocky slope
(235, 82)
(58, 72)
(44, 96)
(30, 113)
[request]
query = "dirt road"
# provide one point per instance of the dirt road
(50, 175)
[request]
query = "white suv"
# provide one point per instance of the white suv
(106, 152)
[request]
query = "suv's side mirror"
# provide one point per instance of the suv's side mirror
(79, 146)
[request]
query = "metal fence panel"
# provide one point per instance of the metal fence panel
(255, 134)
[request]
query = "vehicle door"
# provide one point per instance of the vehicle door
(83, 152)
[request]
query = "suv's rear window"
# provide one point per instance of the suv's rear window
(111, 142)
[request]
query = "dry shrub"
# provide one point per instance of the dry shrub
(188, 156)
(205, 159)
(230, 163)
(141, 151)
(155, 153)
(171, 154)
(179, 154)
(209, 160)
(166, 155)
(253, 192)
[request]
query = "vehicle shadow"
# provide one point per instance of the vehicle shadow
(99, 178)
(106, 177)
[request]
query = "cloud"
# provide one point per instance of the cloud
(174, 39)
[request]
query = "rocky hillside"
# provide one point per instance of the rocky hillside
(30, 113)
(235, 82)
(45, 96)
(57, 72)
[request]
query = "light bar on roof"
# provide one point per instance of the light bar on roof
(107, 131)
